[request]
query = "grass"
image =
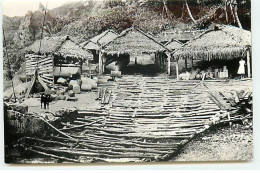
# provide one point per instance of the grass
(220, 144)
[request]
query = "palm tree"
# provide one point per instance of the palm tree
(189, 12)
(233, 7)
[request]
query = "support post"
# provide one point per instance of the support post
(248, 63)
(169, 64)
(81, 64)
(103, 63)
(192, 62)
(177, 69)
(89, 68)
(186, 66)
(100, 63)
(53, 66)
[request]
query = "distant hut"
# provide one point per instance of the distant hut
(223, 42)
(55, 57)
(134, 42)
(94, 44)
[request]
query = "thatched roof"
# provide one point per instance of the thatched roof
(181, 35)
(59, 45)
(132, 41)
(173, 44)
(96, 42)
(227, 42)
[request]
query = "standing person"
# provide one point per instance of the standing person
(241, 69)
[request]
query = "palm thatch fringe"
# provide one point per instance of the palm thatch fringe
(224, 43)
(207, 55)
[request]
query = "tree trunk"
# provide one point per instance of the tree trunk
(236, 16)
(189, 12)
(226, 10)
(232, 12)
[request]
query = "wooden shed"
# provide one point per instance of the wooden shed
(54, 54)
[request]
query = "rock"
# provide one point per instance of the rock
(53, 91)
(86, 87)
(54, 97)
(76, 89)
(71, 94)
(89, 81)
(70, 87)
(61, 97)
(72, 82)
(60, 92)
(62, 81)
(71, 99)
(79, 82)
(116, 73)
(95, 79)
(198, 76)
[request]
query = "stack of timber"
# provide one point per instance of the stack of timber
(150, 119)
(43, 63)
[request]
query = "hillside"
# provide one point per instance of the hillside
(85, 19)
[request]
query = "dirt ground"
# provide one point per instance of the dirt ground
(220, 144)
(85, 100)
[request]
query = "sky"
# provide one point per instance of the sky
(20, 7)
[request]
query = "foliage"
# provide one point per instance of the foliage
(83, 20)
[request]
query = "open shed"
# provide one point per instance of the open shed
(223, 43)
(53, 54)
(134, 42)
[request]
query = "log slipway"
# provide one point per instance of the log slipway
(147, 119)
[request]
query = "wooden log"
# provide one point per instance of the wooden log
(53, 156)
(80, 126)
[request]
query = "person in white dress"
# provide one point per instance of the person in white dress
(241, 69)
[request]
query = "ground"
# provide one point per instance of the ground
(85, 100)
(220, 144)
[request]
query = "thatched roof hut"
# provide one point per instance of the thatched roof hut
(133, 41)
(173, 44)
(96, 42)
(58, 45)
(224, 42)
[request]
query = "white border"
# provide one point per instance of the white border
(253, 165)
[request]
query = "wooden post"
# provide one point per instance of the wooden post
(103, 63)
(186, 66)
(100, 63)
(192, 62)
(248, 63)
(169, 64)
(89, 67)
(81, 64)
(53, 66)
(177, 69)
